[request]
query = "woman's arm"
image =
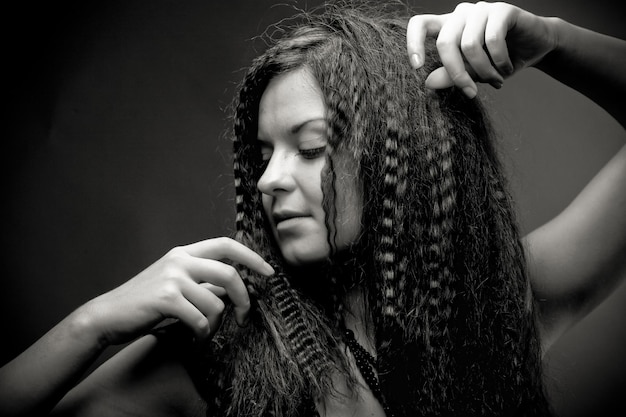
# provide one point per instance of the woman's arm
(578, 258)
(146, 378)
(38, 378)
(186, 284)
(591, 63)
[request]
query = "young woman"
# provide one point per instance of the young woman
(377, 267)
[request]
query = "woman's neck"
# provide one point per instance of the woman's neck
(358, 319)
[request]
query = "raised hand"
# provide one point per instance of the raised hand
(482, 42)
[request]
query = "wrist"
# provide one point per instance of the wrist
(556, 34)
(84, 328)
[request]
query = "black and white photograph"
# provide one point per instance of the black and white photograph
(298, 208)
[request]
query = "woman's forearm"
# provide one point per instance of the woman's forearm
(37, 379)
(43, 374)
(591, 63)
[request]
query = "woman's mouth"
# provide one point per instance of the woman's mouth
(286, 219)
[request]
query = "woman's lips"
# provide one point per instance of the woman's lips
(282, 216)
(286, 220)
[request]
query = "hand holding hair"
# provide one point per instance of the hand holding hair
(482, 42)
(185, 284)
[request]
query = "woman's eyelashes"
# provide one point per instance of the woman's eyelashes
(312, 153)
(308, 153)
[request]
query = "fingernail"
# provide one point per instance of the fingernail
(204, 331)
(470, 91)
(497, 84)
(267, 269)
(416, 61)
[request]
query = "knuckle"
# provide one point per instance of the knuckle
(172, 269)
(492, 40)
(175, 256)
(203, 325)
(223, 241)
(231, 273)
(415, 20)
(173, 265)
(459, 77)
(444, 44)
(224, 245)
(219, 306)
(421, 19)
(177, 250)
(471, 47)
(463, 6)
(500, 5)
(506, 10)
(169, 292)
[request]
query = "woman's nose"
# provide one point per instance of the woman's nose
(277, 176)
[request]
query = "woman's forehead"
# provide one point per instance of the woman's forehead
(291, 101)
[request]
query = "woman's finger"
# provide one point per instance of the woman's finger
(472, 46)
(226, 248)
(439, 78)
(177, 306)
(496, 30)
(419, 28)
(215, 289)
(225, 276)
(209, 304)
(448, 46)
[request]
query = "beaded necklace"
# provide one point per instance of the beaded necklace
(367, 366)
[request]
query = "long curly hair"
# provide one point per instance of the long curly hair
(439, 258)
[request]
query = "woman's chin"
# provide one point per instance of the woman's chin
(299, 257)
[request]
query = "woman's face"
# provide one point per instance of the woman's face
(293, 136)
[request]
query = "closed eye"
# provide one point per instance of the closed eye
(312, 153)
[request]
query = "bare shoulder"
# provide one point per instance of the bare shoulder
(146, 378)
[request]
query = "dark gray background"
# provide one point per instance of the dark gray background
(114, 152)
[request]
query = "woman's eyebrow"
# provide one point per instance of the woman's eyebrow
(298, 127)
